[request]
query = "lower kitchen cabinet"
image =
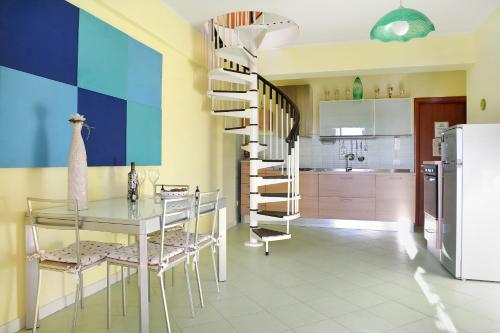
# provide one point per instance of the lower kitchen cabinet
(395, 198)
(347, 208)
(354, 196)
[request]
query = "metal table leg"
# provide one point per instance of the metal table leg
(31, 279)
(143, 283)
(222, 245)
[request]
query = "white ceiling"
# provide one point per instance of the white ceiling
(335, 21)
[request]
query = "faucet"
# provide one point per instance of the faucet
(348, 157)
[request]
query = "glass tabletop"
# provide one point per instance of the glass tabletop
(119, 209)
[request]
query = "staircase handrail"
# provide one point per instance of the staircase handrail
(295, 112)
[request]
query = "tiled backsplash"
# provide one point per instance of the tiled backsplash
(382, 153)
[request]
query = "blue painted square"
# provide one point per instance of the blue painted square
(143, 134)
(102, 57)
(40, 37)
(144, 74)
(34, 113)
(108, 115)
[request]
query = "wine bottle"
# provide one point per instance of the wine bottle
(132, 193)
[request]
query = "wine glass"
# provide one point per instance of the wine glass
(153, 176)
(141, 177)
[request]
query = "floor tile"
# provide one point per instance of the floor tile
(361, 297)
(325, 326)
(396, 313)
(258, 322)
(296, 315)
(432, 325)
(362, 321)
(322, 280)
(236, 306)
(332, 306)
(219, 327)
(472, 322)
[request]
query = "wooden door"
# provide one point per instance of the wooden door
(427, 112)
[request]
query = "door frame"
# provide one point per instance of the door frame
(417, 102)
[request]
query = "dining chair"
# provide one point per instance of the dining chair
(161, 257)
(206, 203)
(75, 258)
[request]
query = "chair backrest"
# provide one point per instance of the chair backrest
(168, 212)
(37, 220)
(167, 187)
(206, 203)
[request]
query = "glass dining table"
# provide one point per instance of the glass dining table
(118, 215)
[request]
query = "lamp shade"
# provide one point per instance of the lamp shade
(402, 25)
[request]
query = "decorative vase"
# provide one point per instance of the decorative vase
(357, 89)
(77, 166)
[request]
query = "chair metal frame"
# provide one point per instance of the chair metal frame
(212, 242)
(164, 263)
(73, 268)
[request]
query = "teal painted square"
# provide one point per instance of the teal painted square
(34, 113)
(144, 74)
(102, 57)
(143, 134)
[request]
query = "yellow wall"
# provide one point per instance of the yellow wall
(194, 150)
(434, 84)
(420, 55)
(483, 79)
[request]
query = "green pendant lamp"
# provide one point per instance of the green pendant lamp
(402, 25)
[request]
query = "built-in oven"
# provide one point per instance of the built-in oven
(431, 173)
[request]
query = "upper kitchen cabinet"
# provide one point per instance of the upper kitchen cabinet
(302, 96)
(346, 118)
(393, 116)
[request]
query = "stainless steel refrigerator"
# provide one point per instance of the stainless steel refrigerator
(471, 202)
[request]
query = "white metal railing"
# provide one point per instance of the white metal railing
(279, 117)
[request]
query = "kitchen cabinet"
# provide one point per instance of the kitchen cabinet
(347, 185)
(301, 95)
(393, 116)
(347, 208)
(366, 117)
(346, 118)
(395, 198)
(383, 197)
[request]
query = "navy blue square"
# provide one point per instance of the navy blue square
(107, 144)
(40, 37)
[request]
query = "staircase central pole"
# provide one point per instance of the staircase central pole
(254, 157)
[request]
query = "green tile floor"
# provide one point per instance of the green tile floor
(322, 280)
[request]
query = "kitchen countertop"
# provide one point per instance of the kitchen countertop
(356, 171)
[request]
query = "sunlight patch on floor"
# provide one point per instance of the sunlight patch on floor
(443, 321)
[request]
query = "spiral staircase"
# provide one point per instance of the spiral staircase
(259, 111)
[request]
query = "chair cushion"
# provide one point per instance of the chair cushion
(131, 254)
(90, 252)
(178, 238)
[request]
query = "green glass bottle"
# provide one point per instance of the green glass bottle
(357, 90)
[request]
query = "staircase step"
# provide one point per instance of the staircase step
(275, 197)
(274, 216)
(270, 235)
(276, 177)
(260, 147)
(263, 164)
(229, 75)
(237, 54)
(242, 130)
(236, 113)
(252, 35)
(234, 95)
(272, 180)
